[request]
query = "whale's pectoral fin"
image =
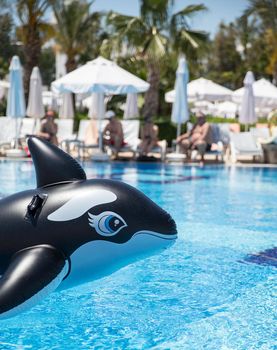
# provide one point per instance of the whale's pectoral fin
(32, 274)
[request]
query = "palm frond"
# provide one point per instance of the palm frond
(266, 10)
(155, 47)
(193, 38)
(126, 28)
(155, 12)
(179, 20)
(153, 34)
(191, 10)
(76, 28)
(116, 18)
(31, 10)
(47, 32)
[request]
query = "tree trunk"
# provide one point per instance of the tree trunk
(32, 50)
(151, 104)
(70, 64)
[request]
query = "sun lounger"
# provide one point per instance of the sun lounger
(160, 149)
(82, 130)
(87, 137)
(7, 131)
(28, 127)
(219, 140)
(131, 137)
(65, 130)
(243, 144)
(260, 134)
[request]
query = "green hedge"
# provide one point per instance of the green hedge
(3, 107)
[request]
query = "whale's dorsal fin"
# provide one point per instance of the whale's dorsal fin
(52, 164)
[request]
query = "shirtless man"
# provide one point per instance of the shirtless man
(199, 138)
(113, 132)
(149, 136)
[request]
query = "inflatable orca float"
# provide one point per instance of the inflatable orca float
(70, 230)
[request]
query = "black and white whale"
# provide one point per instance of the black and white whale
(70, 230)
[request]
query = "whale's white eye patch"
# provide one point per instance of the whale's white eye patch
(81, 203)
(107, 223)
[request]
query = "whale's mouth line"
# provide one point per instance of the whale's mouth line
(168, 237)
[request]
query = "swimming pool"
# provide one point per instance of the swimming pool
(202, 293)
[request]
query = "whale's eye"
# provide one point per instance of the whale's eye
(107, 223)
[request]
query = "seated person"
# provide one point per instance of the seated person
(49, 128)
(149, 136)
(113, 132)
(198, 138)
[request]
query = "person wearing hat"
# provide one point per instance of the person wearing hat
(198, 138)
(113, 132)
(49, 128)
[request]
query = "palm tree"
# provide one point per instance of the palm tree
(76, 29)
(33, 31)
(266, 11)
(151, 35)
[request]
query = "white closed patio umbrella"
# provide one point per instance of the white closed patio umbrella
(131, 107)
(66, 110)
(180, 113)
(35, 107)
(100, 76)
(264, 91)
(16, 107)
(247, 113)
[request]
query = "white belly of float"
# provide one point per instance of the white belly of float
(97, 259)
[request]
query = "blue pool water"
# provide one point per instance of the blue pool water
(201, 293)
